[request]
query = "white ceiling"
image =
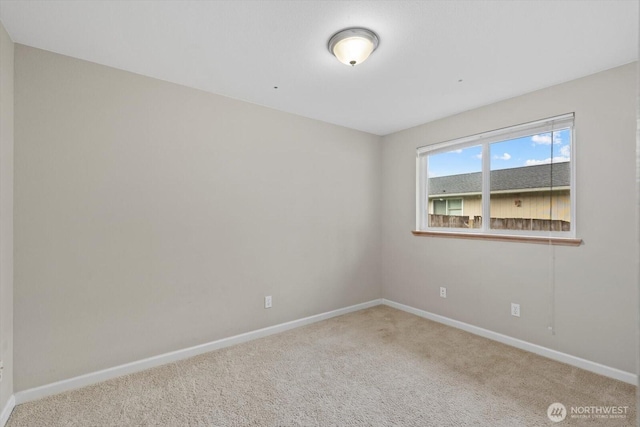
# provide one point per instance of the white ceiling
(242, 49)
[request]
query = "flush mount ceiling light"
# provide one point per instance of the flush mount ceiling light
(353, 45)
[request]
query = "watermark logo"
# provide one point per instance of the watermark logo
(556, 412)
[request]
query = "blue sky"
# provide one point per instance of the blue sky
(514, 153)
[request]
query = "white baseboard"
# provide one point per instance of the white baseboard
(129, 368)
(6, 411)
(151, 362)
(587, 365)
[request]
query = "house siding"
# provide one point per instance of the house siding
(536, 205)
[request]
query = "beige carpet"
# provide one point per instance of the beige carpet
(376, 367)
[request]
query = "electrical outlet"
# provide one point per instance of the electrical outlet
(515, 309)
(443, 292)
(267, 302)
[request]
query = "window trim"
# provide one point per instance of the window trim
(485, 139)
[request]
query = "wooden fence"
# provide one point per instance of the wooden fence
(451, 221)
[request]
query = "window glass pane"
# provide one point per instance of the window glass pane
(454, 207)
(530, 183)
(440, 207)
(455, 188)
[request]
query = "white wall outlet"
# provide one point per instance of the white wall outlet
(515, 309)
(267, 302)
(443, 292)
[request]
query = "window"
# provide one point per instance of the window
(447, 207)
(517, 181)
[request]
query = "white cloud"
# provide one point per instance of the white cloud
(565, 151)
(557, 159)
(505, 156)
(458, 151)
(478, 156)
(541, 139)
(545, 139)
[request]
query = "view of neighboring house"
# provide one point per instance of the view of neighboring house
(540, 192)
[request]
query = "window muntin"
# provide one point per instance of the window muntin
(521, 178)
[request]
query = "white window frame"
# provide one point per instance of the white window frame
(549, 125)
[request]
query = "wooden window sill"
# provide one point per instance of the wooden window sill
(560, 241)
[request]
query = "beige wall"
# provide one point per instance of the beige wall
(152, 217)
(6, 214)
(595, 293)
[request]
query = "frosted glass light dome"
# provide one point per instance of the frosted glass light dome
(353, 46)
